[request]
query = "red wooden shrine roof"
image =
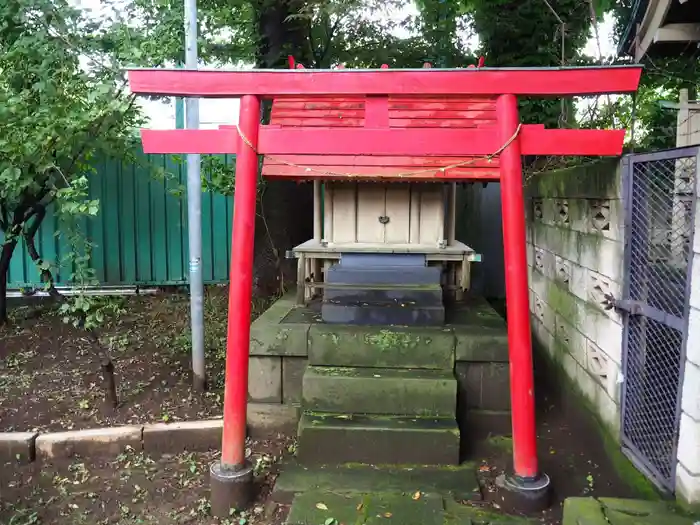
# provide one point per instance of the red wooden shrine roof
(385, 124)
(395, 112)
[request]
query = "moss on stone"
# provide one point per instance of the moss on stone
(594, 180)
(501, 443)
(376, 347)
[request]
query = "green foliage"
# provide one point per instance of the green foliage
(62, 103)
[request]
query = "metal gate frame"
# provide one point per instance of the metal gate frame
(631, 308)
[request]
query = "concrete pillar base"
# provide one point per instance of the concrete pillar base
(525, 495)
(230, 488)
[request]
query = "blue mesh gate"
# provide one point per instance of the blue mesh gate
(660, 194)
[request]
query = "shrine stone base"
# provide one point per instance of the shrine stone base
(389, 394)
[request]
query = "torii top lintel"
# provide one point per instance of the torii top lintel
(276, 83)
(383, 122)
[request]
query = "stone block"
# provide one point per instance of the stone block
(687, 486)
(97, 442)
(695, 282)
(17, 446)
(411, 275)
(571, 368)
(380, 391)
(483, 343)
(689, 444)
(578, 509)
(428, 295)
(327, 439)
(265, 379)
(367, 315)
(395, 261)
(692, 349)
(484, 386)
(459, 482)
(381, 347)
(696, 238)
(292, 375)
(609, 411)
(573, 340)
(596, 180)
(603, 369)
(544, 338)
(691, 391)
(376, 508)
(475, 311)
(270, 336)
(477, 425)
(265, 419)
(190, 436)
(616, 511)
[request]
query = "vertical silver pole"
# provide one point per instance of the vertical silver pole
(194, 211)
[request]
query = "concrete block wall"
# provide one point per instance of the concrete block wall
(575, 251)
(688, 467)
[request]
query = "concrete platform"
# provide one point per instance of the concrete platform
(473, 331)
(381, 347)
(392, 391)
(614, 511)
(340, 438)
(459, 483)
(317, 508)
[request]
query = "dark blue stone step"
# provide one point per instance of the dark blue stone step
(368, 314)
(363, 260)
(430, 295)
(385, 275)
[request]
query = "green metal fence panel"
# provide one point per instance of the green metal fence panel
(139, 236)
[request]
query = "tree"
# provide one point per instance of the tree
(62, 103)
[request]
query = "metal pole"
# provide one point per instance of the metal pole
(194, 212)
(522, 389)
(241, 288)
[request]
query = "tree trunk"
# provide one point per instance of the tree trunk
(107, 366)
(280, 36)
(5, 257)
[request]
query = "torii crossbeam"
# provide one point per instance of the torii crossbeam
(509, 138)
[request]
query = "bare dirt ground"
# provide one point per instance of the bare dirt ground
(133, 489)
(50, 376)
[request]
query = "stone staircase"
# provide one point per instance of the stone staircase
(378, 416)
(390, 401)
(381, 412)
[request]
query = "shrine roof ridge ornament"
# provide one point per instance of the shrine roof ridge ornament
(485, 81)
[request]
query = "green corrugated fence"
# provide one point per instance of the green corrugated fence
(140, 232)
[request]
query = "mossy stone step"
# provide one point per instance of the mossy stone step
(318, 508)
(614, 511)
(401, 440)
(381, 347)
(387, 508)
(458, 482)
(390, 391)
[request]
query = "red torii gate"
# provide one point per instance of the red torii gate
(510, 137)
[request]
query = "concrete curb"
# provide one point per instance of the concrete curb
(155, 438)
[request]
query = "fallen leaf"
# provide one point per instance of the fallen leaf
(321, 506)
(387, 514)
(359, 506)
(416, 496)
